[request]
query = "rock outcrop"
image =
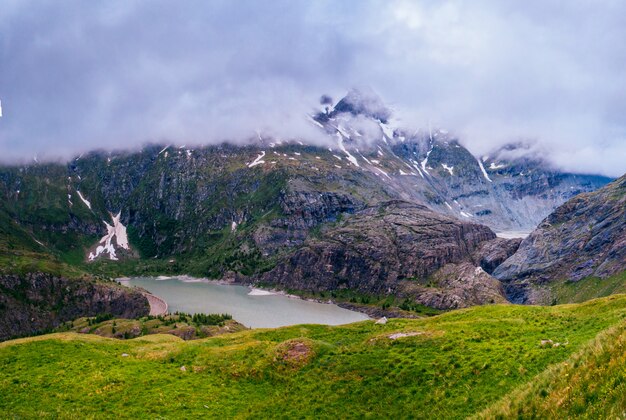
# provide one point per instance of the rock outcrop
(584, 237)
(492, 253)
(455, 286)
(38, 302)
(380, 248)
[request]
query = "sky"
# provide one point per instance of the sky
(79, 75)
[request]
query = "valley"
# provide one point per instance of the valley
(368, 209)
(417, 266)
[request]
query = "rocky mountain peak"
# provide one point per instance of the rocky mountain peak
(357, 102)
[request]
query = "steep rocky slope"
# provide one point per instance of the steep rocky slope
(37, 302)
(584, 237)
(511, 188)
(393, 248)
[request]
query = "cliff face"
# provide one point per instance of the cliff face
(378, 250)
(584, 237)
(37, 302)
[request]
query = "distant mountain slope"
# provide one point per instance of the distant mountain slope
(229, 210)
(585, 237)
(511, 188)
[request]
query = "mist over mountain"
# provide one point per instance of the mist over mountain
(77, 77)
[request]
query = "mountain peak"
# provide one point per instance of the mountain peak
(365, 102)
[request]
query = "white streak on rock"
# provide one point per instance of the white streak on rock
(258, 160)
(482, 168)
(87, 203)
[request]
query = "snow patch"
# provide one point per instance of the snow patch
(258, 160)
(482, 168)
(388, 131)
(365, 159)
(383, 172)
(342, 131)
(316, 122)
(87, 203)
(448, 168)
(494, 166)
(425, 161)
(465, 214)
(512, 234)
(351, 158)
(117, 232)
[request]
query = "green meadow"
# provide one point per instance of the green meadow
(484, 361)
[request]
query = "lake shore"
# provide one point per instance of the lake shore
(373, 312)
(253, 306)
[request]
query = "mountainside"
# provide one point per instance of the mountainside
(394, 248)
(242, 211)
(37, 302)
(585, 237)
(511, 188)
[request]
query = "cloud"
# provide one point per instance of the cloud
(76, 75)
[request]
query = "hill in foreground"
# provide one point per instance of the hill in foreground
(453, 365)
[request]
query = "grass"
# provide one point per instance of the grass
(185, 326)
(366, 301)
(589, 384)
(589, 288)
(23, 262)
(459, 364)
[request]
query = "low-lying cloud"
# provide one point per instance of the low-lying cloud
(80, 75)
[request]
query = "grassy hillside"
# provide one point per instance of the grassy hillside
(589, 288)
(591, 384)
(452, 365)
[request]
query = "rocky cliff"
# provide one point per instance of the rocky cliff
(385, 249)
(37, 302)
(585, 237)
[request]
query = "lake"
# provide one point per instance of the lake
(252, 307)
